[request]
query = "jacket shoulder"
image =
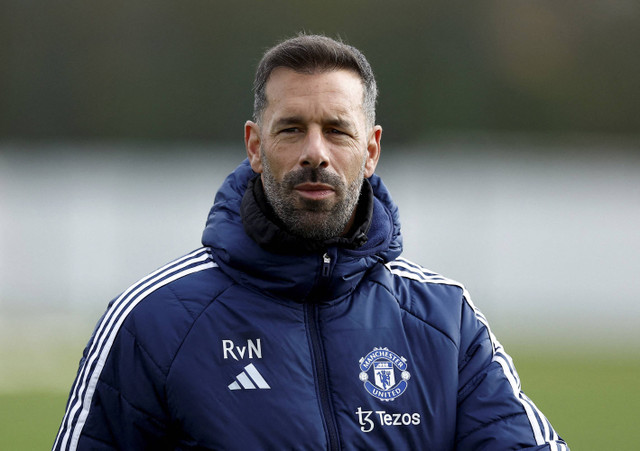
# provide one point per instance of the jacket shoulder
(136, 339)
(159, 309)
(429, 296)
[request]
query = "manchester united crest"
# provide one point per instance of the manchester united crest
(384, 374)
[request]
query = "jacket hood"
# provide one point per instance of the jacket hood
(334, 271)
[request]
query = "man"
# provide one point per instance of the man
(298, 325)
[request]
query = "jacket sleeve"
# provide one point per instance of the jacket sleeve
(116, 401)
(493, 412)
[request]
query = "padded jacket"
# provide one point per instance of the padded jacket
(327, 346)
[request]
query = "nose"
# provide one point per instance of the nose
(315, 153)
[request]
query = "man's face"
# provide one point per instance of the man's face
(313, 148)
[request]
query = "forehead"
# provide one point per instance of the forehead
(339, 91)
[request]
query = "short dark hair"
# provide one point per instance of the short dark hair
(311, 54)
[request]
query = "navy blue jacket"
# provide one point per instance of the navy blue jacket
(234, 347)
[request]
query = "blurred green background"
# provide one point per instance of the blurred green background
(183, 70)
(118, 121)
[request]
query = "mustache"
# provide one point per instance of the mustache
(312, 175)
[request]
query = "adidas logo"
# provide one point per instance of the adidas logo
(249, 379)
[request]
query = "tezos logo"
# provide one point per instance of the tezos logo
(384, 364)
(367, 423)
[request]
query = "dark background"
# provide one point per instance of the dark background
(182, 70)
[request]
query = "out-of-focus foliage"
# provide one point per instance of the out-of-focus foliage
(181, 70)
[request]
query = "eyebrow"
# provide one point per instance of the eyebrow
(340, 123)
(287, 120)
(333, 122)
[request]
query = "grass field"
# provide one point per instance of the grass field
(594, 403)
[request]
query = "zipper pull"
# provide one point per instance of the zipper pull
(326, 265)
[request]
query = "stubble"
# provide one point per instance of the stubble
(308, 218)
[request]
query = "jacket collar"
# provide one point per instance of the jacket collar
(249, 257)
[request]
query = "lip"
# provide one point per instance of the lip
(314, 190)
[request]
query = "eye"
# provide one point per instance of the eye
(290, 130)
(335, 131)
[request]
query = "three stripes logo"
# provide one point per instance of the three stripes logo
(249, 379)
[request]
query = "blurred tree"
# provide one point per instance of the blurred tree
(166, 70)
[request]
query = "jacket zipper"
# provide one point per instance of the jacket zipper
(319, 363)
(326, 265)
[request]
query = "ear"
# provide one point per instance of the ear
(373, 151)
(252, 144)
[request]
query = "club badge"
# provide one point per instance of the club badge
(380, 370)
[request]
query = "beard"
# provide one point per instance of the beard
(312, 219)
